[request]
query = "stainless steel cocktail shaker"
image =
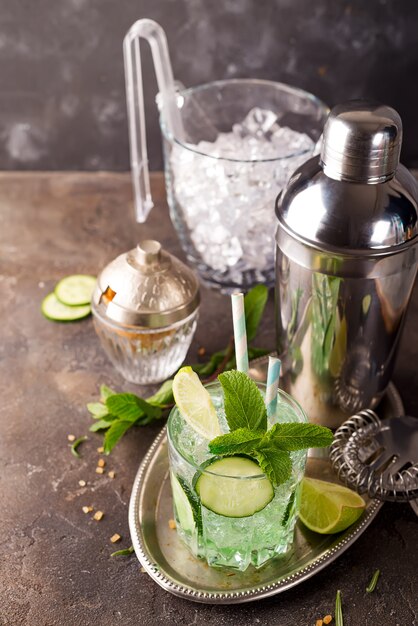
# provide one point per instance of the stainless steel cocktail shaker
(346, 263)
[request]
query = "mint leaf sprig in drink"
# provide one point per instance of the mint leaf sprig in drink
(246, 415)
(244, 404)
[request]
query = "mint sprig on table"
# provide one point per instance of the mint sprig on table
(116, 413)
(246, 415)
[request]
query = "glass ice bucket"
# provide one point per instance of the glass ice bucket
(243, 139)
(229, 148)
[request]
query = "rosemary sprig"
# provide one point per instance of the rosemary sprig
(125, 552)
(338, 610)
(75, 445)
(372, 584)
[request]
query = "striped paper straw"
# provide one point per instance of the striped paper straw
(273, 374)
(240, 333)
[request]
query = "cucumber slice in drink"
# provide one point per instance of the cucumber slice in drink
(75, 290)
(186, 504)
(54, 310)
(226, 487)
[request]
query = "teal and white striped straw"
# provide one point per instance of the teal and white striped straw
(273, 374)
(240, 332)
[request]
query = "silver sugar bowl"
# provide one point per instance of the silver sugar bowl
(145, 307)
(346, 264)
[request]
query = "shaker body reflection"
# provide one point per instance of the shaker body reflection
(338, 336)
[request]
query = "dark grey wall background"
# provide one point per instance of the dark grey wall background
(61, 71)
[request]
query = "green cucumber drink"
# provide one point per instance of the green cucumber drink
(227, 510)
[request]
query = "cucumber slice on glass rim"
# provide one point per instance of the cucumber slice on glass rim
(226, 487)
(75, 290)
(54, 310)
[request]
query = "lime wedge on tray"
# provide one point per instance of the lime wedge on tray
(195, 404)
(75, 290)
(328, 508)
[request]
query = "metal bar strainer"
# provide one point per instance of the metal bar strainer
(379, 457)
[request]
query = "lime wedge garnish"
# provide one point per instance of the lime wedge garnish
(328, 508)
(195, 404)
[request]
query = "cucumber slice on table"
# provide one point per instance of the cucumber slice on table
(75, 290)
(223, 487)
(186, 504)
(54, 310)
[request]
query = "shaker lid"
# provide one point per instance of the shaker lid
(146, 287)
(361, 142)
(333, 203)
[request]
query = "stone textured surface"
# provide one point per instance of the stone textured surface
(55, 567)
(62, 90)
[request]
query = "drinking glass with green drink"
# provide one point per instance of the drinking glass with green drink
(237, 454)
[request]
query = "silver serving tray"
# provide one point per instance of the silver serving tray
(173, 567)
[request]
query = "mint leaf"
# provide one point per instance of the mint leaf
(289, 508)
(106, 392)
(292, 436)
(97, 409)
(164, 395)
(148, 419)
(275, 463)
(254, 303)
(129, 407)
(99, 425)
(238, 441)
(244, 404)
(206, 369)
(109, 417)
(255, 353)
(115, 432)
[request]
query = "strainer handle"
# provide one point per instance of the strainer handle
(154, 34)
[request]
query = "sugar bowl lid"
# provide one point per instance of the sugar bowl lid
(146, 287)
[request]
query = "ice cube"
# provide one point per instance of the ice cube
(256, 123)
(287, 142)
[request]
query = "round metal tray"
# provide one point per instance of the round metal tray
(173, 567)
